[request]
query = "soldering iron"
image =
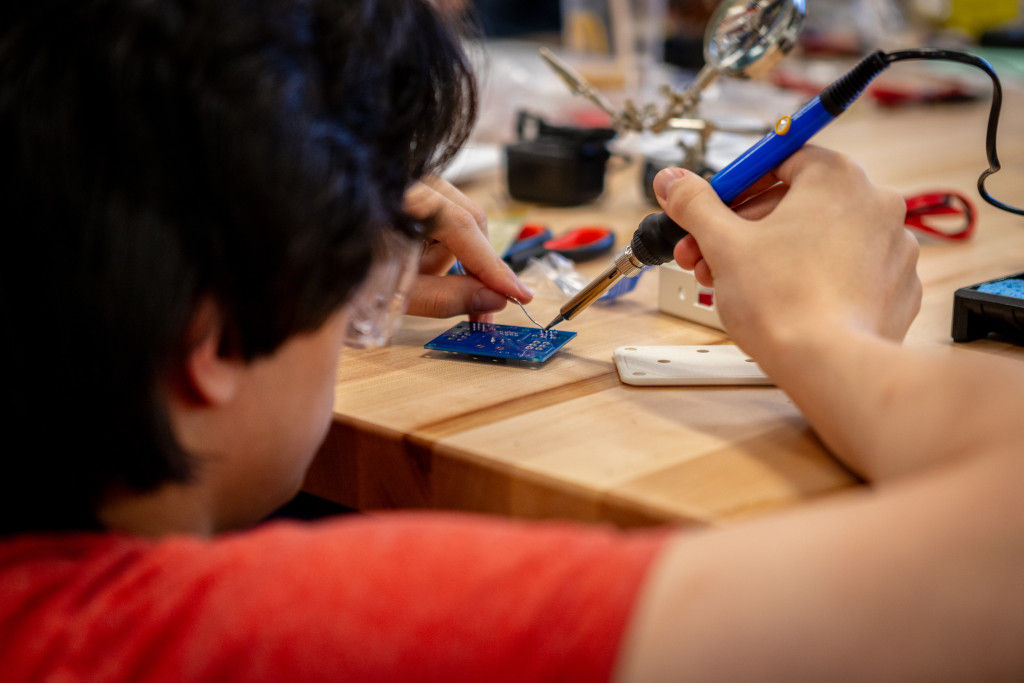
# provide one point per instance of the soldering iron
(654, 240)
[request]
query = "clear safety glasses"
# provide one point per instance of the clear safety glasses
(376, 308)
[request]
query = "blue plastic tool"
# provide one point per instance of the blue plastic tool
(581, 244)
(529, 244)
(622, 287)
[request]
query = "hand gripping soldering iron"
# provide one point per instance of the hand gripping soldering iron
(653, 242)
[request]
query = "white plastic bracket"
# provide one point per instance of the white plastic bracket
(687, 365)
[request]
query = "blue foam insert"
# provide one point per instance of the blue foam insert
(1013, 288)
(623, 286)
(501, 341)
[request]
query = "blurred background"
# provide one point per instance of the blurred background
(629, 48)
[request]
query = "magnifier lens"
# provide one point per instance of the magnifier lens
(743, 33)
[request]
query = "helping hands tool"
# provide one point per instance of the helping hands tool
(744, 39)
(653, 242)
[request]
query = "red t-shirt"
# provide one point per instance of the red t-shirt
(389, 597)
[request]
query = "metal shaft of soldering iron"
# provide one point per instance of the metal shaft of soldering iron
(652, 244)
(655, 239)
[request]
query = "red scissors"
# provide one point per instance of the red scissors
(946, 215)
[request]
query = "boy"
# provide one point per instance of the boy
(205, 201)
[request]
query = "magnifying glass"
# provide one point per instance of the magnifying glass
(746, 38)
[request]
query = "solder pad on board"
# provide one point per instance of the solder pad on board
(501, 341)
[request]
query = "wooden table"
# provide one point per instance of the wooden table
(568, 440)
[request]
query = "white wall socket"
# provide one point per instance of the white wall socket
(680, 294)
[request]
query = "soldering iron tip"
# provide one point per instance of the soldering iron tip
(554, 322)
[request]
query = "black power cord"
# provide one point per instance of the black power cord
(844, 91)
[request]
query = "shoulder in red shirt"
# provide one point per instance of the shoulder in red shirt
(395, 596)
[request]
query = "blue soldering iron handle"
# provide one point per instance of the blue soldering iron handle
(658, 234)
(789, 135)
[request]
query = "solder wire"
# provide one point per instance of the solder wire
(525, 312)
(460, 270)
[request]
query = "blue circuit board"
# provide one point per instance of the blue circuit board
(501, 341)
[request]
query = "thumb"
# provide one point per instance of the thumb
(691, 202)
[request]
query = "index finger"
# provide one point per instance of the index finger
(458, 230)
(465, 241)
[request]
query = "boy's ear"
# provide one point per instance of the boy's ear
(209, 378)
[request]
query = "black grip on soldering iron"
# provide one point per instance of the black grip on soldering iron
(655, 239)
(841, 94)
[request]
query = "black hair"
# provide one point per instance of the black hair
(155, 153)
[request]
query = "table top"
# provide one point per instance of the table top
(568, 440)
